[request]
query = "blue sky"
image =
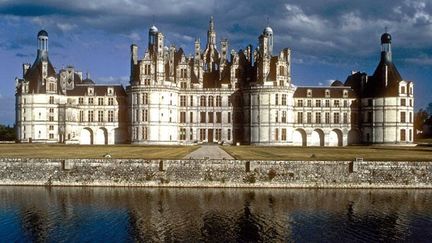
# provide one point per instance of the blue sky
(328, 39)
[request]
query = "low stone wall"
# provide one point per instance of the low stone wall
(215, 173)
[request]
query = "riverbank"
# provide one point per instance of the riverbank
(215, 173)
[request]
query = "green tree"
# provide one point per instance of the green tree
(7, 133)
(419, 119)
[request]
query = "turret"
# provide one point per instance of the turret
(42, 44)
(386, 54)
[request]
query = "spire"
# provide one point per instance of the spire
(211, 25)
(211, 34)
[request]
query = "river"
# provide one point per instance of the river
(74, 214)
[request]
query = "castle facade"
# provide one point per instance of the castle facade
(213, 95)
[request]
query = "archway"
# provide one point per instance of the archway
(335, 138)
(299, 137)
(316, 138)
(86, 136)
(353, 137)
(101, 136)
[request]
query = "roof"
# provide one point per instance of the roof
(43, 33)
(34, 75)
(319, 92)
(99, 90)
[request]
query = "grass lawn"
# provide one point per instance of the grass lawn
(328, 153)
(87, 151)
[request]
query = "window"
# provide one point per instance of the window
(191, 101)
(90, 116)
(191, 134)
(90, 101)
(327, 117)
(145, 115)
(229, 117)
(145, 98)
(403, 91)
(402, 117)
(144, 133)
(284, 120)
(51, 127)
(336, 103)
(327, 103)
(229, 134)
(318, 103)
(182, 117)
(281, 70)
(218, 101)
(300, 103)
(202, 117)
(403, 102)
(210, 117)
(318, 117)
(410, 117)
(309, 103)
(51, 136)
(277, 134)
(203, 101)
(183, 85)
(51, 118)
(202, 134)
(218, 117)
(284, 137)
(100, 116)
(277, 116)
(336, 117)
(80, 100)
(191, 117)
(147, 81)
(51, 99)
(369, 117)
(218, 134)
(309, 117)
(110, 101)
(51, 110)
(370, 102)
(410, 102)
(100, 101)
(182, 134)
(327, 93)
(345, 117)
(300, 117)
(276, 99)
(345, 103)
(230, 101)
(147, 69)
(210, 101)
(402, 135)
(81, 116)
(183, 73)
(110, 116)
(284, 99)
(182, 100)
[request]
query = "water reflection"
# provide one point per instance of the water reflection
(40, 214)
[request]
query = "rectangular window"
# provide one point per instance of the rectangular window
(229, 134)
(51, 136)
(210, 101)
(100, 101)
(229, 117)
(110, 116)
(218, 134)
(327, 117)
(336, 117)
(210, 117)
(411, 103)
(318, 118)
(51, 118)
(300, 117)
(345, 103)
(345, 117)
(336, 103)
(202, 134)
(81, 116)
(410, 117)
(145, 98)
(191, 134)
(277, 116)
(100, 116)
(284, 120)
(284, 137)
(309, 103)
(191, 117)
(276, 99)
(90, 116)
(80, 100)
(403, 102)
(191, 101)
(182, 100)
(182, 134)
(183, 85)
(370, 102)
(369, 117)
(145, 115)
(110, 101)
(90, 101)
(318, 103)
(403, 117)
(300, 103)
(327, 103)
(402, 135)
(182, 117)
(309, 117)
(51, 127)
(284, 99)
(276, 134)
(144, 133)
(202, 117)
(218, 117)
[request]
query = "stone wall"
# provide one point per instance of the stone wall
(215, 173)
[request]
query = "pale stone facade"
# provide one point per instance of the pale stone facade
(213, 95)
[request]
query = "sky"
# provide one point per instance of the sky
(328, 38)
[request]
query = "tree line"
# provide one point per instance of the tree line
(7, 133)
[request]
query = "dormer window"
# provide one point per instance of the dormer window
(110, 91)
(90, 91)
(345, 93)
(402, 90)
(309, 93)
(327, 93)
